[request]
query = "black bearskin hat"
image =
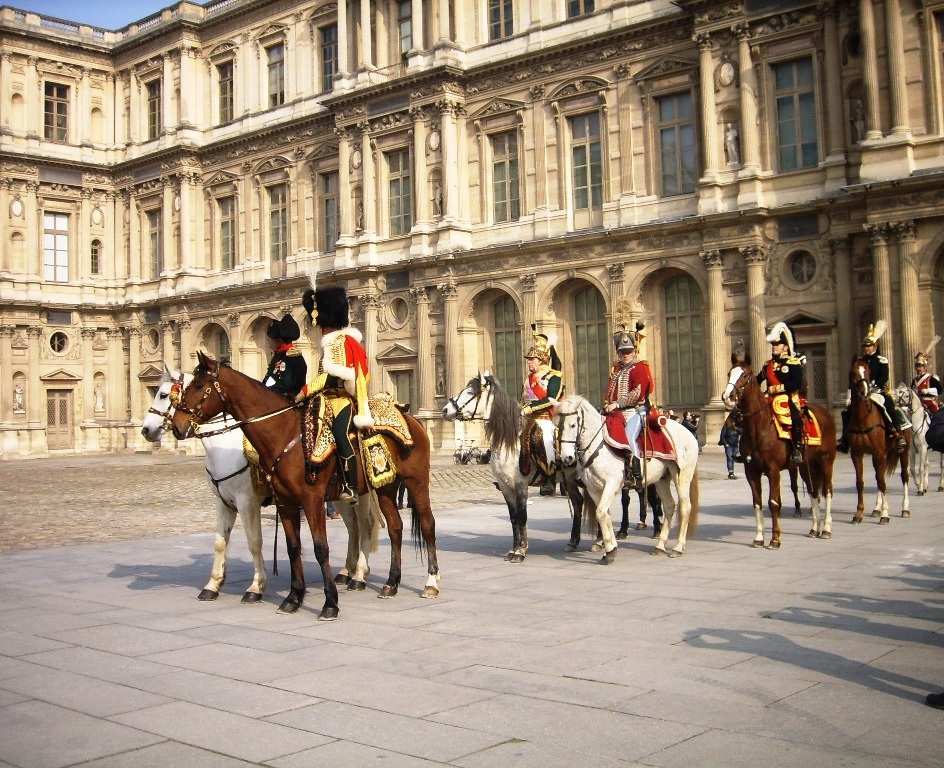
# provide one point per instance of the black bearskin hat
(286, 329)
(327, 307)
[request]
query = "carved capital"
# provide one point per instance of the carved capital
(878, 233)
(712, 259)
(754, 255)
(420, 294)
(616, 272)
(529, 282)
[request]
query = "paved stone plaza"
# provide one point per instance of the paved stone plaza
(816, 655)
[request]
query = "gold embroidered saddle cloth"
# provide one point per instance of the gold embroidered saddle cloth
(783, 421)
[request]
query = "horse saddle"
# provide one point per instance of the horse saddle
(652, 442)
(259, 484)
(533, 452)
(783, 420)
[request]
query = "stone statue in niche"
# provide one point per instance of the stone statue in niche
(438, 199)
(440, 377)
(19, 398)
(858, 121)
(99, 399)
(732, 145)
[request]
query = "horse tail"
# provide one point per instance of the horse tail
(416, 532)
(693, 498)
(891, 457)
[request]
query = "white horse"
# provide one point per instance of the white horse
(920, 419)
(230, 477)
(484, 398)
(602, 470)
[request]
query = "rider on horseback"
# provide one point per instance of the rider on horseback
(784, 374)
(628, 393)
(543, 388)
(925, 383)
(894, 419)
(287, 368)
(342, 377)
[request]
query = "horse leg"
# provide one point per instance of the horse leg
(881, 499)
(225, 519)
(607, 536)
(357, 520)
(774, 503)
(576, 506)
(343, 576)
(668, 515)
(794, 486)
(906, 506)
(519, 523)
(623, 531)
(388, 507)
(860, 486)
(940, 482)
(423, 522)
(317, 524)
(250, 512)
(756, 495)
(683, 487)
(290, 515)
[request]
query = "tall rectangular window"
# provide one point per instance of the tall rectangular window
(405, 26)
(505, 185)
(56, 247)
(586, 156)
(275, 56)
(400, 187)
(592, 339)
(330, 224)
(227, 208)
(506, 336)
(329, 56)
(796, 115)
(579, 8)
(154, 110)
(56, 112)
(278, 223)
(156, 243)
(684, 328)
(677, 144)
(227, 101)
(500, 19)
(95, 258)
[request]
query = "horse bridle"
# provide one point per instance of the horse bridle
(477, 398)
(176, 388)
(578, 413)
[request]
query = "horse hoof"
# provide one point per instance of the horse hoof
(328, 614)
(289, 606)
(518, 557)
(252, 597)
(798, 513)
(876, 513)
(826, 535)
(657, 551)
(906, 513)
(571, 546)
(812, 534)
(509, 555)
(622, 535)
(429, 592)
(856, 520)
(341, 579)
(758, 543)
(921, 493)
(776, 544)
(676, 553)
(884, 520)
(356, 586)
(208, 594)
(597, 547)
(388, 591)
(641, 526)
(656, 533)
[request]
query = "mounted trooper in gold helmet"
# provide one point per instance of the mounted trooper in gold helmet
(925, 383)
(895, 421)
(543, 388)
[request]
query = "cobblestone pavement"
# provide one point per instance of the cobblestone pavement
(60, 501)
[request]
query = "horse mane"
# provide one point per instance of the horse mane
(503, 424)
(203, 369)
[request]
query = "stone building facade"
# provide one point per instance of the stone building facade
(467, 168)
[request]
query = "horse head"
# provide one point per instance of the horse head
(905, 397)
(200, 400)
(571, 416)
(473, 402)
(161, 410)
(860, 379)
(740, 378)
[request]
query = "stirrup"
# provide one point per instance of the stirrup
(797, 456)
(347, 494)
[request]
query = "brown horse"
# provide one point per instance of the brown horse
(273, 428)
(866, 433)
(765, 454)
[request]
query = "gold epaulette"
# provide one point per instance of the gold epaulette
(293, 353)
(793, 361)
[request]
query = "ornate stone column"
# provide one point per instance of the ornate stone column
(188, 87)
(450, 323)
(419, 27)
(369, 183)
(184, 326)
(747, 78)
(134, 369)
(88, 375)
(425, 364)
(910, 298)
(371, 306)
(883, 288)
(873, 119)
(117, 376)
(366, 47)
(717, 340)
(186, 196)
(235, 349)
(85, 105)
(529, 304)
(755, 258)
(35, 400)
(845, 318)
(167, 229)
(423, 213)
(709, 121)
(445, 35)
(450, 161)
(344, 56)
(617, 288)
(6, 373)
(167, 96)
(835, 127)
(167, 342)
(897, 84)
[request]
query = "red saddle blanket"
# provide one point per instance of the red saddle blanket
(653, 442)
(783, 421)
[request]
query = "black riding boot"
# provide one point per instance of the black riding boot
(349, 485)
(901, 424)
(632, 479)
(843, 445)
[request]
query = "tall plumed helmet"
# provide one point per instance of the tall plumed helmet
(624, 339)
(781, 334)
(327, 307)
(286, 329)
(924, 356)
(875, 332)
(540, 348)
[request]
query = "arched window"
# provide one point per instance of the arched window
(685, 370)
(95, 258)
(591, 344)
(508, 363)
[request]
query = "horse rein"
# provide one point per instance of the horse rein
(460, 416)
